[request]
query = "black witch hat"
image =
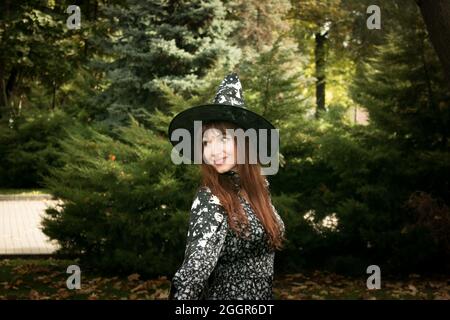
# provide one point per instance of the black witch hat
(228, 105)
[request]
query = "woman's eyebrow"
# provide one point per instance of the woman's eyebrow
(216, 135)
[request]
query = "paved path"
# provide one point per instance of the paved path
(20, 229)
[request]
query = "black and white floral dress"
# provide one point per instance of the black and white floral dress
(218, 264)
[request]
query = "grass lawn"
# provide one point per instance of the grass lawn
(46, 279)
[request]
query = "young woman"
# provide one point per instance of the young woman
(234, 229)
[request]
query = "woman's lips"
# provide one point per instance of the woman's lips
(219, 162)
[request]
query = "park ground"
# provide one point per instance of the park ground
(45, 279)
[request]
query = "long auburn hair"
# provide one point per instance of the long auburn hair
(254, 185)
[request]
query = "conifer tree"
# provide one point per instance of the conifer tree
(155, 43)
(407, 71)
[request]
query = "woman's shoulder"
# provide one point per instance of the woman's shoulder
(205, 196)
(204, 191)
(207, 205)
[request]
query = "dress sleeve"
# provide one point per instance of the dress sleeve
(205, 238)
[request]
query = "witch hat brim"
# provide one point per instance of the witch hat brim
(244, 118)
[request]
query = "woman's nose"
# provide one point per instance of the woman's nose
(218, 156)
(217, 153)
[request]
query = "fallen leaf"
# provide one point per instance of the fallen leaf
(33, 295)
(117, 285)
(310, 283)
(434, 285)
(133, 277)
(44, 279)
(95, 280)
(139, 287)
(63, 293)
(413, 289)
(93, 296)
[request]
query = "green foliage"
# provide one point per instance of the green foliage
(360, 176)
(172, 43)
(27, 60)
(384, 186)
(29, 145)
(125, 205)
(406, 70)
(272, 80)
(367, 175)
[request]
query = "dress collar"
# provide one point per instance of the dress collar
(235, 178)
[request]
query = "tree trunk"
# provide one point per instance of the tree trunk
(4, 17)
(320, 72)
(95, 11)
(11, 83)
(4, 98)
(436, 14)
(54, 95)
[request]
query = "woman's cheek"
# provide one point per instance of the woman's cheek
(206, 155)
(230, 149)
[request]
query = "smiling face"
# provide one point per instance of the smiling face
(219, 150)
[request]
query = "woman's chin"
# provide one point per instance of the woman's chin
(221, 168)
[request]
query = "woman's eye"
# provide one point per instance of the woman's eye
(205, 143)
